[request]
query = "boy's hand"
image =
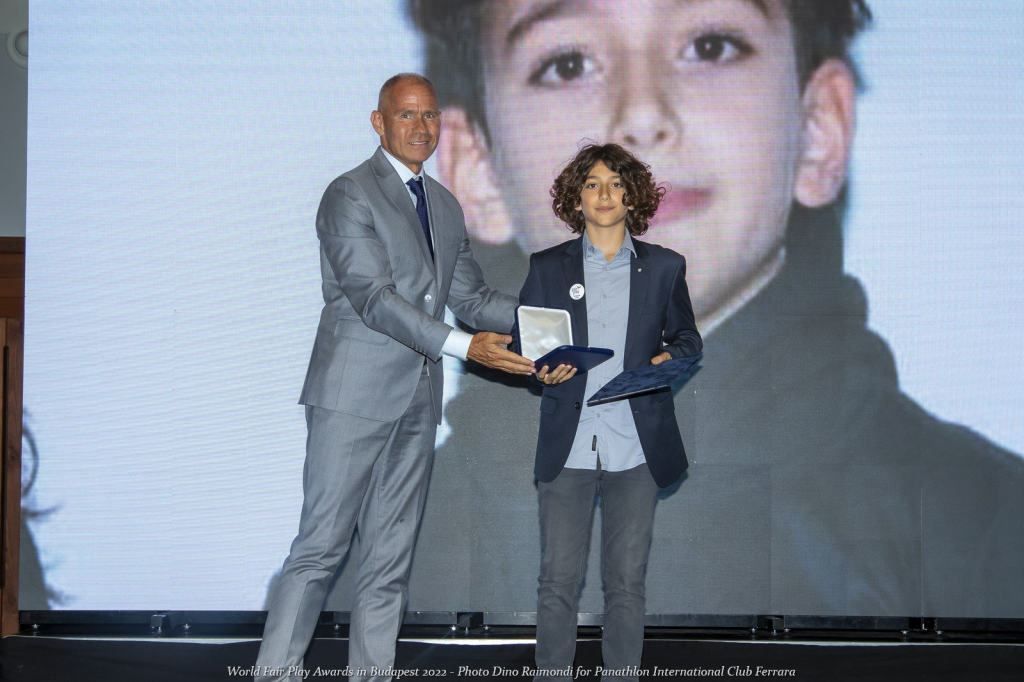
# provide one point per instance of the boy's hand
(562, 373)
(660, 358)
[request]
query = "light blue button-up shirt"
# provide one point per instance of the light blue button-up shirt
(606, 431)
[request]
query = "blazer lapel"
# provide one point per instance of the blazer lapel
(639, 276)
(398, 194)
(572, 266)
(438, 228)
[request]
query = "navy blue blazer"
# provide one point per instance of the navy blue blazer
(660, 319)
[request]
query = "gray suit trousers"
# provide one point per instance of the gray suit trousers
(365, 474)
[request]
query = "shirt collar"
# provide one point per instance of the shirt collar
(627, 243)
(403, 171)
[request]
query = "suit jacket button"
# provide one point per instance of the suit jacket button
(577, 406)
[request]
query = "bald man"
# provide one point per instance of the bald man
(393, 253)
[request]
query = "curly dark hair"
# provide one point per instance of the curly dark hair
(642, 192)
(822, 30)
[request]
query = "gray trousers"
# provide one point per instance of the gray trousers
(566, 516)
(360, 474)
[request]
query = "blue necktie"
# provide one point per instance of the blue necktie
(416, 185)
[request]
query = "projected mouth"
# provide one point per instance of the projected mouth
(679, 203)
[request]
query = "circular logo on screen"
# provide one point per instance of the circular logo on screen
(576, 291)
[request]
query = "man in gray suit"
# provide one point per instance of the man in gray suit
(393, 253)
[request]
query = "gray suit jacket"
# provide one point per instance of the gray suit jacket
(384, 299)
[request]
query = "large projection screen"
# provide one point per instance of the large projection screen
(854, 435)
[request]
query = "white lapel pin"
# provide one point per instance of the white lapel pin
(576, 292)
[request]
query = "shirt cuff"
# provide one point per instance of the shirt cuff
(457, 344)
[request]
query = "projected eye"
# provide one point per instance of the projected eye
(716, 47)
(563, 68)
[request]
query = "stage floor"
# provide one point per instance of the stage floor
(46, 657)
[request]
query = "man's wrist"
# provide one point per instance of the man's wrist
(457, 344)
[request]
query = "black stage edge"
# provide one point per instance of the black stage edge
(40, 658)
(227, 622)
(165, 646)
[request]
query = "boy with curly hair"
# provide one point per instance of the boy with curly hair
(631, 297)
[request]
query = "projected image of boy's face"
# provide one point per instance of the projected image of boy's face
(705, 91)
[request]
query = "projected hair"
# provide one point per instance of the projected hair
(822, 30)
(642, 193)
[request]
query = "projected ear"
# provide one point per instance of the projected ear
(464, 163)
(829, 110)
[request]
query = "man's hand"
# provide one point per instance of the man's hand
(486, 348)
(561, 373)
(660, 358)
